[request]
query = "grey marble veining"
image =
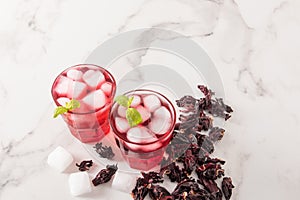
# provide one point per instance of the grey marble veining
(254, 45)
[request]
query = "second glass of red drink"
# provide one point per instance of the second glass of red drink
(143, 146)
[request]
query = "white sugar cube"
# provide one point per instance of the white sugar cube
(123, 182)
(79, 183)
(60, 159)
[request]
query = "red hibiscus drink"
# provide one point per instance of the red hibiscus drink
(143, 145)
(94, 88)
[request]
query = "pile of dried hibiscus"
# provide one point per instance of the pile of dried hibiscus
(191, 148)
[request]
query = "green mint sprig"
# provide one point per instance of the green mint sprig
(133, 116)
(71, 105)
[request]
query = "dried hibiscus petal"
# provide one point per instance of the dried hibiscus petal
(227, 187)
(174, 173)
(187, 189)
(157, 192)
(105, 175)
(85, 165)
(140, 190)
(104, 151)
(190, 158)
(216, 134)
(205, 144)
(210, 170)
(210, 185)
(152, 177)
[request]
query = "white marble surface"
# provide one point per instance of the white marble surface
(254, 44)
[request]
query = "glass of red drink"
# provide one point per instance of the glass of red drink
(94, 88)
(143, 146)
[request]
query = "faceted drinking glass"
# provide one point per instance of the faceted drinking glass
(143, 146)
(94, 87)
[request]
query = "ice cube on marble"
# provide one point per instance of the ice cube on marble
(140, 135)
(122, 124)
(106, 88)
(59, 159)
(145, 114)
(93, 78)
(123, 182)
(122, 111)
(95, 99)
(79, 183)
(161, 121)
(74, 74)
(63, 100)
(136, 101)
(151, 102)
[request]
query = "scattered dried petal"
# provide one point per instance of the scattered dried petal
(157, 192)
(174, 173)
(216, 134)
(227, 187)
(140, 190)
(105, 175)
(152, 177)
(85, 165)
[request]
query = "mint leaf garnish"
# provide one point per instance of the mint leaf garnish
(130, 101)
(133, 117)
(123, 101)
(59, 110)
(71, 105)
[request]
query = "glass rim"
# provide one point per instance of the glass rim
(78, 65)
(170, 130)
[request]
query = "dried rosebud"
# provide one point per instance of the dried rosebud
(105, 175)
(85, 165)
(104, 151)
(227, 187)
(157, 192)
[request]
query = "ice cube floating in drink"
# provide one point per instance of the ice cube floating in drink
(94, 87)
(143, 146)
